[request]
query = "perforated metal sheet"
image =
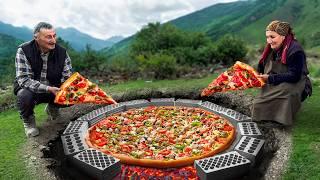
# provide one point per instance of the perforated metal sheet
(250, 147)
(224, 166)
(210, 106)
(97, 164)
(162, 102)
(113, 108)
(188, 103)
(96, 119)
(76, 127)
(249, 129)
(92, 115)
(236, 115)
(136, 104)
(73, 143)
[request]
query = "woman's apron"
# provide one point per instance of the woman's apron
(280, 102)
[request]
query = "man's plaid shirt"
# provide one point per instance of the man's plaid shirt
(24, 74)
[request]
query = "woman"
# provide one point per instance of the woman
(283, 67)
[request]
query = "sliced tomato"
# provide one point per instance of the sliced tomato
(206, 149)
(165, 152)
(75, 82)
(203, 141)
(142, 145)
(112, 118)
(162, 131)
(187, 149)
(96, 135)
(221, 140)
(125, 148)
(62, 99)
(102, 141)
(101, 94)
(181, 154)
(221, 79)
(149, 108)
(237, 80)
(82, 98)
(125, 129)
(138, 124)
(127, 121)
(227, 128)
(81, 85)
(256, 83)
(142, 118)
(92, 92)
(171, 140)
(149, 152)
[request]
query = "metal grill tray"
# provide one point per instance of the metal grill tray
(188, 103)
(73, 143)
(251, 148)
(136, 104)
(236, 115)
(162, 101)
(249, 129)
(97, 164)
(224, 166)
(76, 127)
(210, 106)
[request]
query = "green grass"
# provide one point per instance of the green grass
(12, 138)
(178, 84)
(304, 160)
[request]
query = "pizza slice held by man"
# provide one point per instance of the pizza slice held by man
(77, 90)
(238, 77)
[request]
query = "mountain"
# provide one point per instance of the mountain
(22, 33)
(248, 20)
(8, 46)
(77, 39)
(115, 39)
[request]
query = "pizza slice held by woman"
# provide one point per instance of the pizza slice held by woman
(238, 77)
(77, 90)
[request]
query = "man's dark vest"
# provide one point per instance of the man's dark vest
(56, 60)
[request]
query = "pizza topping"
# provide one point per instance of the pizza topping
(161, 133)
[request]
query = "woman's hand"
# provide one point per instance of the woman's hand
(263, 76)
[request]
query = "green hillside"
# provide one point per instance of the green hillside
(303, 16)
(248, 19)
(8, 45)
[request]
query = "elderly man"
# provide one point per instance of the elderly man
(41, 67)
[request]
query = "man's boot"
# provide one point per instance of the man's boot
(52, 111)
(30, 126)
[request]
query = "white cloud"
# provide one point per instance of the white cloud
(99, 18)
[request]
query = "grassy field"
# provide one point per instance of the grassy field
(12, 138)
(306, 132)
(304, 161)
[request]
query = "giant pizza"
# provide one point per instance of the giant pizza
(161, 136)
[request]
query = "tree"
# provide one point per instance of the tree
(230, 49)
(158, 66)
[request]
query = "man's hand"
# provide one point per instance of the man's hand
(263, 76)
(53, 90)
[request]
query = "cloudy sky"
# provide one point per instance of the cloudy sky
(98, 18)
